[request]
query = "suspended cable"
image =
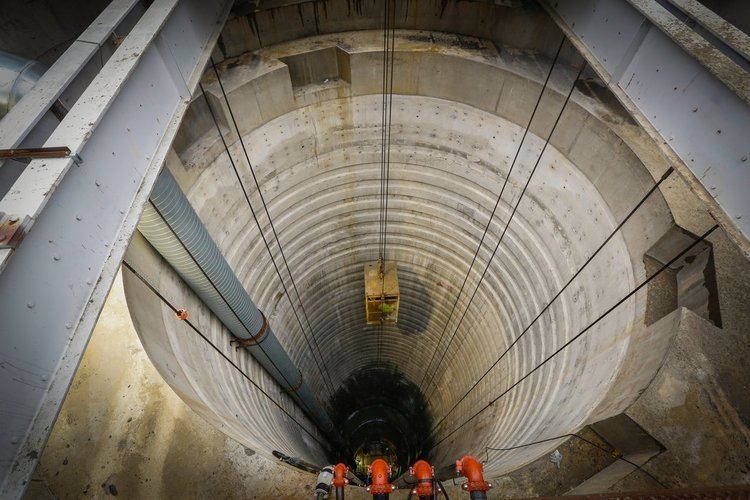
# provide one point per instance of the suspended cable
(510, 219)
(166, 302)
(229, 305)
(494, 209)
(389, 37)
(562, 289)
(326, 378)
(381, 257)
(579, 334)
(388, 138)
(442, 488)
(614, 452)
(383, 116)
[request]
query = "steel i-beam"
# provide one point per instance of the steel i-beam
(688, 88)
(80, 214)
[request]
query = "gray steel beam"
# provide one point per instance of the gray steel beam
(81, 216)
(722, 29)
(30, 122)
(19, 121)
(687, 94)
(707, 50)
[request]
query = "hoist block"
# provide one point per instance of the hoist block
(381, 292)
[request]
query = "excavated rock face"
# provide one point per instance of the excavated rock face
(309, 111)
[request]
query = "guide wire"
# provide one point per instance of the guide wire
(510, 219)
(494, 210)
(389, 38)
(169, 304)
(325, 377)
(613, 452)
(229, 305)
(557, 295)
(578, 335)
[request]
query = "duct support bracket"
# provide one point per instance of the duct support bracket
(34, 153)
(255, 339)
(81, 218)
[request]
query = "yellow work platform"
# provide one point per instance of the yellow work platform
(381, 292)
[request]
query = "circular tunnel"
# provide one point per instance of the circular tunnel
(309, 112)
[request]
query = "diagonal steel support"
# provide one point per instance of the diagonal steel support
(70, 73)
(689, 91)
(79, 217)
(30, 122)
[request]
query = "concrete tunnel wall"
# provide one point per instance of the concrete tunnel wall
(309, 112)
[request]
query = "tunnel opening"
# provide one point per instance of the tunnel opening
(381, 414)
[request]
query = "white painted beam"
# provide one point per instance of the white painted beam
(83, 215)
(689, 97)
(19, 121)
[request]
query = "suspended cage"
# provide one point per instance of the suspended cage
(381, 292)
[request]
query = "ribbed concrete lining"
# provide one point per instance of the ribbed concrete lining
(173, 228)
(422, 231)
(319, 170)
(192, 368)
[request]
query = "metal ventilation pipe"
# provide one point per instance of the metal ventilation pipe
(173, 228)
(17, 77)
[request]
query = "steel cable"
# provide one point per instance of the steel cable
(216, 348)
(510, 219)
(494, 210)
(389, 42)
(326, 377)
(562, 289)
(578, 335)
(615, 453)
(229, 305)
